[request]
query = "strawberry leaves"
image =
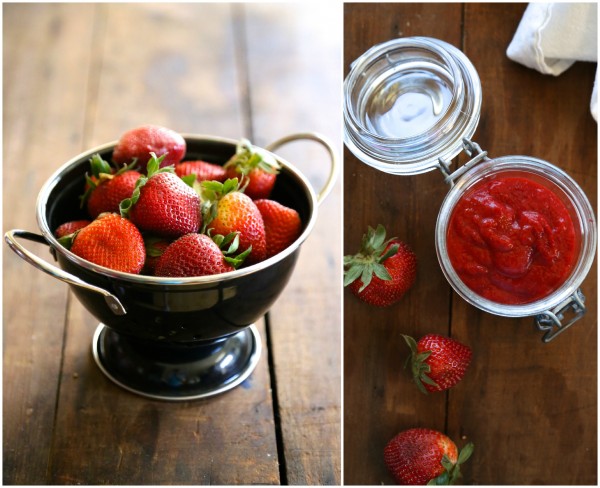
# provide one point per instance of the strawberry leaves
(211, 193)
(420, 369)
(369, 260)
(248, 157)
(452, 473)
(229, 245)
(437, 362)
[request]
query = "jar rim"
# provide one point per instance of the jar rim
(420, 152)
(557, 179)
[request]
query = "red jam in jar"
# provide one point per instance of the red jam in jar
(511, 240)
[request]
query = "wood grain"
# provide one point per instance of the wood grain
(79, 75)
(530, 404)
(379, 399)
(305, 322)
(42, 104)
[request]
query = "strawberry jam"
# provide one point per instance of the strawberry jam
(511, 240)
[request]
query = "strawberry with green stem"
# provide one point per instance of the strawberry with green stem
(256, 169)
(382, 271)
(162, 203)
(424, 456)
(226, 210)
(437, 362)
(200, 255)
(106, 188)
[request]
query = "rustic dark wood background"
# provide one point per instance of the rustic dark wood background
(78, 75)
(529, 408)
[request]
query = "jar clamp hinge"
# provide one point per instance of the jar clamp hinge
(550, 321)
(476, 154)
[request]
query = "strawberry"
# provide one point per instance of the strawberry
(226, 209)
(110, 241)
(69, 227)
(382, 271)
(139, 142)
(162, 203)
(424, 456)
(202, 169)
(437, 362)
(105, 188)
(155, 247)
(256, 169)
(197, 255)
(282, 225)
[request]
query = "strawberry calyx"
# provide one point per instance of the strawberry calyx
(419, 367)
(101, 171)
(248, 158)
(191, 180)
(369, 260)
(153, 168)
(67, 241)
(229, 245)
(211, 193)
(452, 472)
(155, 246)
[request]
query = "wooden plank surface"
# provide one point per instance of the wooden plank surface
(305, 321)
(192, 68)
(530, 408)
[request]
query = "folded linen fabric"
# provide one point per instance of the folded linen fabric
(553, 36)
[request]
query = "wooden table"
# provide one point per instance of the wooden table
(530, 408)
(78, 75)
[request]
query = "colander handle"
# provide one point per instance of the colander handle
(10, 237)
(313, 136)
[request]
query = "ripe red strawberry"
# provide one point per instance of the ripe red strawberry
(418, 456)
(69, 227)
(162, 203)
(227, 210)
(282, 225)
(105, 188)
(196, 255)
(202, 169)
(110, 241)
(255, 169)
(382, 271)
(438, 362)
(139, 142)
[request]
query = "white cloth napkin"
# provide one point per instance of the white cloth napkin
(553, 36)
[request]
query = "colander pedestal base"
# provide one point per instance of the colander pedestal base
(176, 372)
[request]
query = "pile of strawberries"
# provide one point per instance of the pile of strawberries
(152, 212)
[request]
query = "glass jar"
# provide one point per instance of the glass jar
(409, 102)
(546, 309)
(413, 104)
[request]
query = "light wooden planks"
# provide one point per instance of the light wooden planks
(294, 75)
(43, 119)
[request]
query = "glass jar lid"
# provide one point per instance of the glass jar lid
(409, 102)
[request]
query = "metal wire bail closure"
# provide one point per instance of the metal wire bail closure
(550, 321)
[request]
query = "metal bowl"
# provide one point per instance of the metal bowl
(174, 338)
